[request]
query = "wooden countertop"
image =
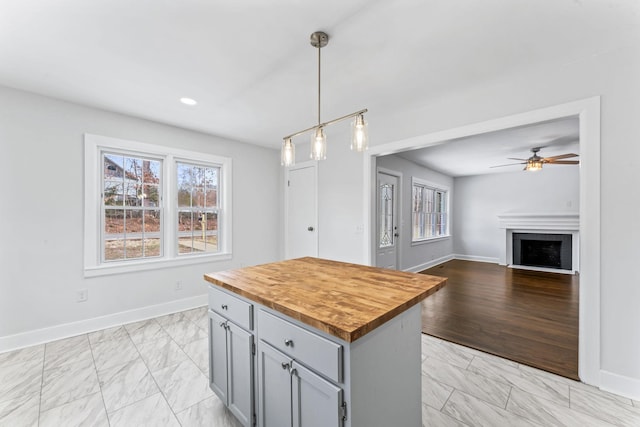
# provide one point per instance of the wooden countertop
(344, 300)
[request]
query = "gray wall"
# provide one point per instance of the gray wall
(412, 256)
(480, 199)
(41, 223)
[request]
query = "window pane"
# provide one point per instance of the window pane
(152, 223)
(184, 185)
(152, 247)
(211, 187)
(197, 196)
(151, 171)
(112, 192)
(113, 222)
(185, 222)
(133, 248)
(212, 243)
(211, 197)
(185, 245)
(113, 166)
(386, 215)
(114, 249)
(151, 195)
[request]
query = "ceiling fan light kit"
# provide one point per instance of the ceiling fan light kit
(535, 162)
(359, 128)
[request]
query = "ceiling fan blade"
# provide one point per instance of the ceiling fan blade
(513, 158)
(510, 164)
(561, 156)
(563, 162)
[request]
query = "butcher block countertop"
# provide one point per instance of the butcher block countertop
(345, 300)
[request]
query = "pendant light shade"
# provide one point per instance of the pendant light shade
(359, 134)
(319, 145)
(288, 157)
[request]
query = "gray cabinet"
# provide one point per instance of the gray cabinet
(292, 395)
(315, 401)
(305, 377)
(275, 387)
(231, 366)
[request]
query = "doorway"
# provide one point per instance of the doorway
(588, 112)
(301, 213)
(387, 218)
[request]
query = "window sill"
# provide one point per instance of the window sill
(430, 240)
(136, 266)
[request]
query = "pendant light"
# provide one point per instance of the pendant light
(318, 149)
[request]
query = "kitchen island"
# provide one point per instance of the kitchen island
(313, 342)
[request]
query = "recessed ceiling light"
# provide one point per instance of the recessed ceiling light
(188, 101)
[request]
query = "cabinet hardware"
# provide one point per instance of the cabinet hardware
(224, 306)
(288, 343)
(343, 411)
(285, 365)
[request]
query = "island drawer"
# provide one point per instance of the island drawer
(318, 353)
(232, 308)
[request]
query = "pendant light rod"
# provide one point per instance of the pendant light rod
(330, 122)
(319, 49)
(359, 138)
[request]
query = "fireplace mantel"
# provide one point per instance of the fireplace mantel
(552, 223)
(540, 221)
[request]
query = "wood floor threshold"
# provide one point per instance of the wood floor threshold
(526, 316)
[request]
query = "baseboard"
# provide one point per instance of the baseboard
(44, 335)
(429, 264)
(620, 385)
(490, 260)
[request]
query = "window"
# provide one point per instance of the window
(148, 206)
(131, 208)
(430, 211)
(197, 208)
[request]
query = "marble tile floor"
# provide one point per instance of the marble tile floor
(154, 373)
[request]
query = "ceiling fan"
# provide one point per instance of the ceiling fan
(535, 162)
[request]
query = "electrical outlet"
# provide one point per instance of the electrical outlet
(178, 286)
(82, 295)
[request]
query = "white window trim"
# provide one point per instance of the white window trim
(433, 186)
(94, 145)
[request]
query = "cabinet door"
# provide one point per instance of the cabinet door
(274, 387)
(316, 402)
(218, 356)
(240, 371)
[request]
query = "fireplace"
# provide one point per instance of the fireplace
(542, 250)
(540, 234)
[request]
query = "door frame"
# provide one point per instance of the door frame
(399, 212)
(588, 112)
(302, 165)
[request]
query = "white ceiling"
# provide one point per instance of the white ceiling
(249, 64)
(475, 155)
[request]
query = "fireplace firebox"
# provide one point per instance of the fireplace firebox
(543, 250)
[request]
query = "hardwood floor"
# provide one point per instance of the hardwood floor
(526, 316)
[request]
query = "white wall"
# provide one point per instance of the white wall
(478, 200)
(41, 215)
(416, 257)
(340, 216)
(614, 76)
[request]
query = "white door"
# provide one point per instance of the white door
(387, 195)
(301, 211)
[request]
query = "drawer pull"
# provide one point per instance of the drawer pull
(288, 343)
(224, 306)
